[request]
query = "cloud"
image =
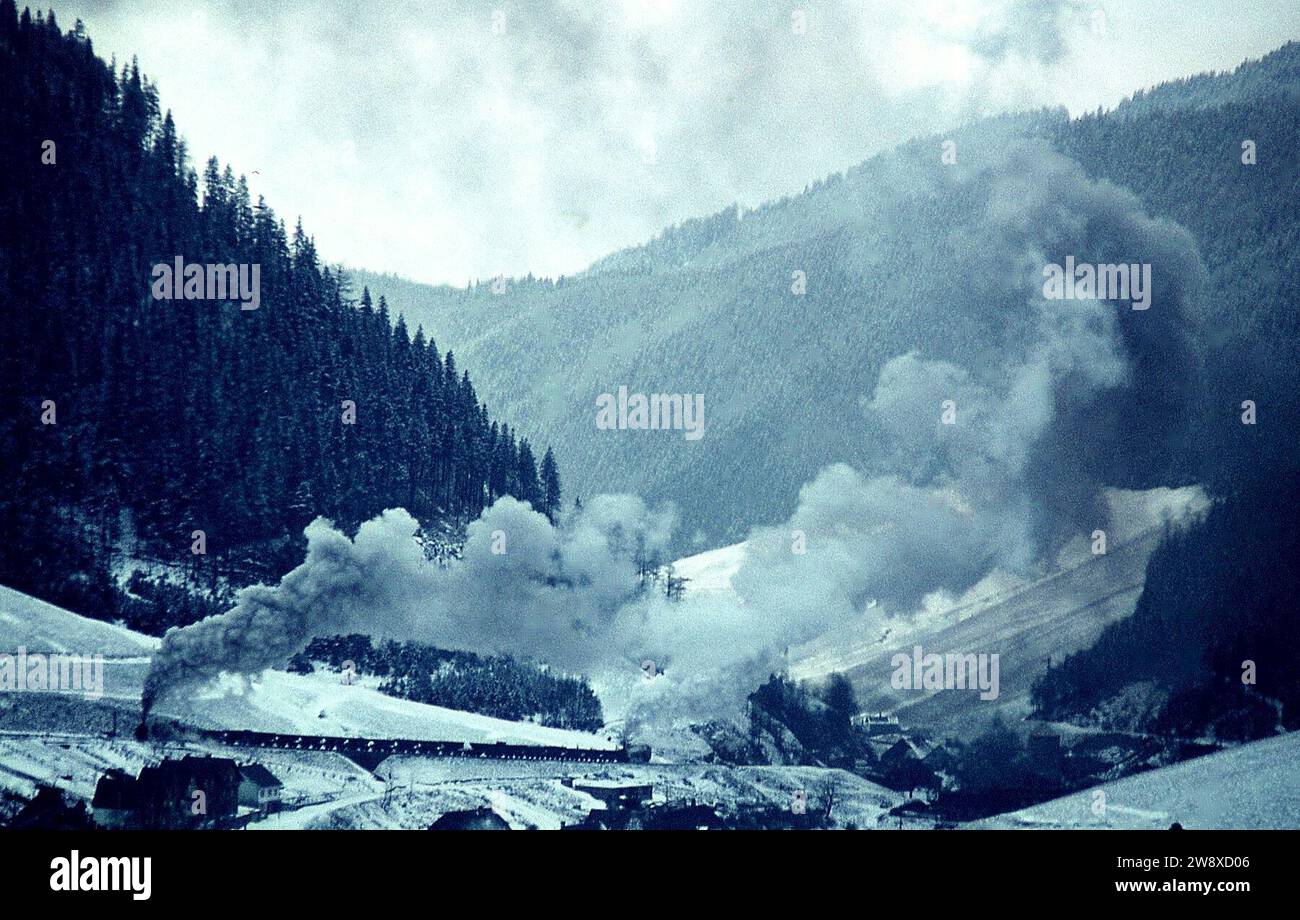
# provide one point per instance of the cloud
(1033, 30)
(444, 144)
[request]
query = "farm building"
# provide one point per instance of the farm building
(190, 792)
(114, 802)
(630, 805)
(876, 723)
(651, 816)
(48, 811)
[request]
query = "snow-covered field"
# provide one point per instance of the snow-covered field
(530, 795)
(40, 627)
(1256, 785)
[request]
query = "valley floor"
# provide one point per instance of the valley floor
(68, 741)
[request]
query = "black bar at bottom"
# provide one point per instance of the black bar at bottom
(334, 869)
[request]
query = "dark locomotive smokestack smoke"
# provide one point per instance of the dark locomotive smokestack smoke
(342, 586)
(147, 700)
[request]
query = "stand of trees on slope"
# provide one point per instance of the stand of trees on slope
(494, 685)
(1216, 629)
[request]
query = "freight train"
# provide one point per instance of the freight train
(387, 747)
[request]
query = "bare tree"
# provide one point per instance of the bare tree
(674, 585)
(827, 796)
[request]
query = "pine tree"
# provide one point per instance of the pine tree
(530, 489)
(551, 493)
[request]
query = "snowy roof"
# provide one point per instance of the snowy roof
(259, 775)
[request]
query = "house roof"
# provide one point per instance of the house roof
(169, 777)
(115, 790)
(47, 809)
(259, 775)
(193, 766)
(907, 747)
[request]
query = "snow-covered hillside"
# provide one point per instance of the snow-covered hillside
(1025, 621)
(1256, 785)
(321, 704)
(710, 572)
(281, 702)
(40, 627)
(1026, 627)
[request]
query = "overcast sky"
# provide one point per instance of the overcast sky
(448, 141)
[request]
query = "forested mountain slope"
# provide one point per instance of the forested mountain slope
(897, 256)
(131, 422)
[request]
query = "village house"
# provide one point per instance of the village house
(193, 792)
(258, 788)
(114, 803)
(630, 805)
(876, 723)
(615, 794)
(902, 764)
(48, 810)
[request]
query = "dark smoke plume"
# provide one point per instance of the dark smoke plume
(1064, 399)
